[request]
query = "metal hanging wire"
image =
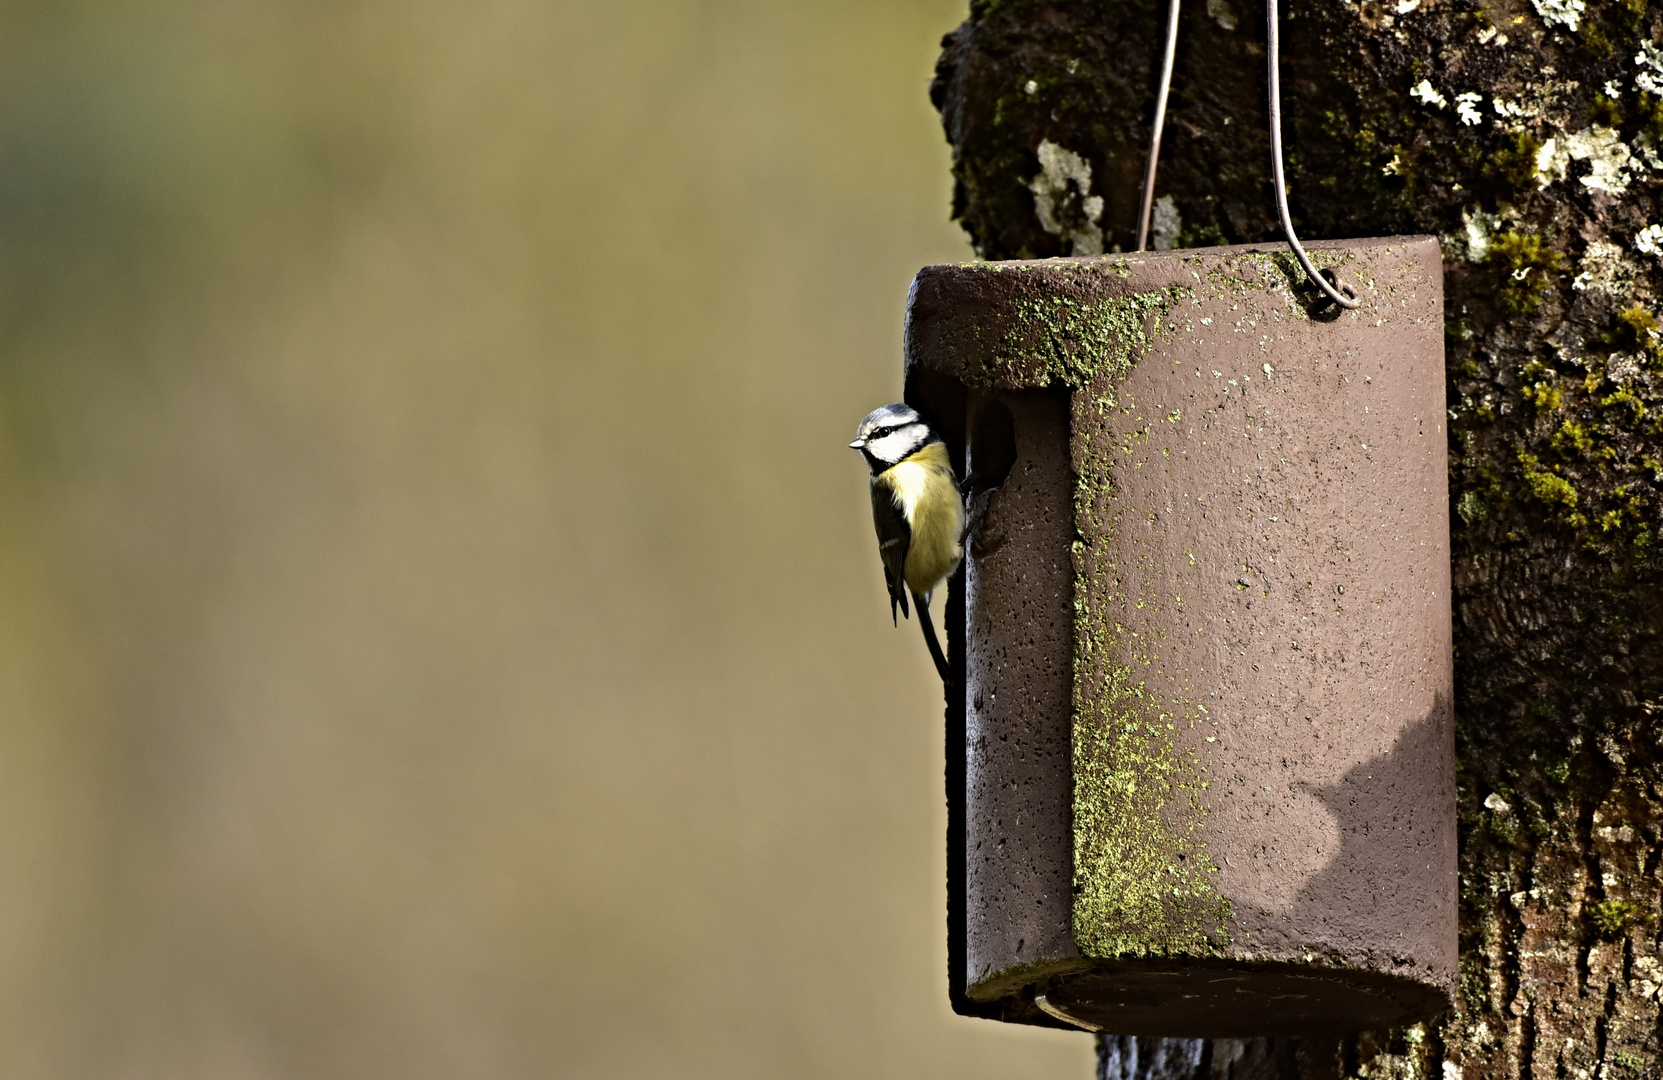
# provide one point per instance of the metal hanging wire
(1320, 280)
(1326, 280)
(1160, 123)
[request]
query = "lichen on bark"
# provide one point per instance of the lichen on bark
(1529, 137)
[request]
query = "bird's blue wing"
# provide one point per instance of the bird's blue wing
(894, 539)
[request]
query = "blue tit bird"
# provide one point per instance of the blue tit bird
(917, 510)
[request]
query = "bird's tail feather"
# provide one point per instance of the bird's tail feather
(928, 626)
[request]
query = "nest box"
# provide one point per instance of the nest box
(1200, 752)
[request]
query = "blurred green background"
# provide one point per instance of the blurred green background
(441, 633)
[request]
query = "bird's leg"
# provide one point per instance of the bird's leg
(928, 626)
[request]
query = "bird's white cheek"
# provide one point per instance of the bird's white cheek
(891, 448)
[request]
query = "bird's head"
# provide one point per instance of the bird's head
(891, 434)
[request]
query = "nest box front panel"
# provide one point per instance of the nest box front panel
(1259, 755)
(1019, 645)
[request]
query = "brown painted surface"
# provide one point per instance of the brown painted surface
(1280, 577)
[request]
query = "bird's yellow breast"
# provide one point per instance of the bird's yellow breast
(927, 494)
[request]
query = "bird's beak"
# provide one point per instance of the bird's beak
(858, 444)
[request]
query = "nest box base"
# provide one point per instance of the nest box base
(1234, 999)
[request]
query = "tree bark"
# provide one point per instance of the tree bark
(1529, 138)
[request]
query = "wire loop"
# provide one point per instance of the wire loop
(1337, 292)
(1328, 281)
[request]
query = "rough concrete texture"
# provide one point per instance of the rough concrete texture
(1259, 740)
(1019, 647)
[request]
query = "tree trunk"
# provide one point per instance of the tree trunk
(1529, 138)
